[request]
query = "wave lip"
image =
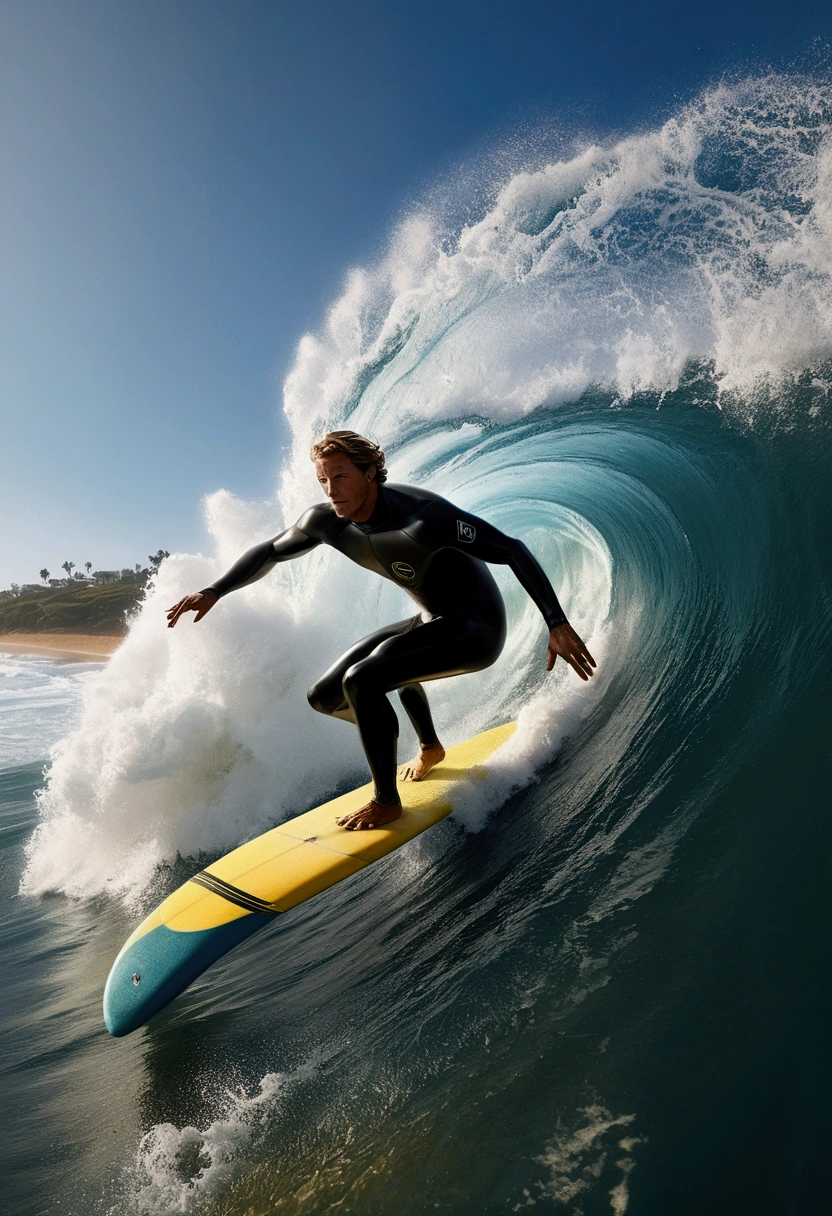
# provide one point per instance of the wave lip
(707, 239)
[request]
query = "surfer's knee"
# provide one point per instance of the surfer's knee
(351, 683)
(320, 701)
(358, 679)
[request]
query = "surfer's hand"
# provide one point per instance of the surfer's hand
(200, 603)
(564, 641)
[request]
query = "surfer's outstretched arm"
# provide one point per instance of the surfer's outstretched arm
(563, 640)
(253, 565)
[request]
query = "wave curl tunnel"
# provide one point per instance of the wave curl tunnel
(514, 362)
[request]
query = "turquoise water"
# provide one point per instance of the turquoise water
(603, 987)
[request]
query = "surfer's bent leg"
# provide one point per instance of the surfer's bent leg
(444, 646)
(327, 693)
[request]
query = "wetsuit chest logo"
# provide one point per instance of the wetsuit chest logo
(466, 532)
(404, 571)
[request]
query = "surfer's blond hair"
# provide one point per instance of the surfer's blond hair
(362, 452)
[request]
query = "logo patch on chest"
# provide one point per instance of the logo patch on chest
(466, 532)
(404, 571)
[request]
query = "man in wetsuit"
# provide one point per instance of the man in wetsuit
(438, 554)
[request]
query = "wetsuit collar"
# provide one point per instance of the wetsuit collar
(380, 515)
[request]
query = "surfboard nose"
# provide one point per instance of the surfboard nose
(161, 964)
(125, 1002)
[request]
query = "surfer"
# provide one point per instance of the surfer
(438, 554)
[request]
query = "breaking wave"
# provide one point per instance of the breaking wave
(605, 359)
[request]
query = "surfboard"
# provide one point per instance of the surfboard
(232, 898)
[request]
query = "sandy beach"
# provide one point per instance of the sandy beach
(96, 647)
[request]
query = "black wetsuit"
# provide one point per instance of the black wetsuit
(437, 553)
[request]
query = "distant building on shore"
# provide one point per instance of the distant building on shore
(137, 574)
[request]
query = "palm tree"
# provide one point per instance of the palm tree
(44, 574)
(88, 567)
(69, 567)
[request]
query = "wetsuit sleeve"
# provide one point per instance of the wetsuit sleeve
(473, 535)
(258, 561)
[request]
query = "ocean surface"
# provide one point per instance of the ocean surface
(603, 985)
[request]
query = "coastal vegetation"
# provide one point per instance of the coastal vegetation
(76, 608)
(100, 603)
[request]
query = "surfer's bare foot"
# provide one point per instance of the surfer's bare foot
(373, 815)
(419, 767)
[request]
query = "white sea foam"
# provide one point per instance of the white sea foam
(544, 722)
(177, 1168)
(709, 238)
(38, 704)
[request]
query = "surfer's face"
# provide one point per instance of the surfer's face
(352, 491)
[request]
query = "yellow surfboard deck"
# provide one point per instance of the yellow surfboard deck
(235, 896)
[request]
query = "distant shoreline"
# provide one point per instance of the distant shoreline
(89, 646)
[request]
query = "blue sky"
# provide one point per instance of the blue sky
(186, 183)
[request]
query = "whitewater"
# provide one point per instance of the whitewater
(621, 354)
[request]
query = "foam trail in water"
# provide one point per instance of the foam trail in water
(708, 239)
(578, 1158)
